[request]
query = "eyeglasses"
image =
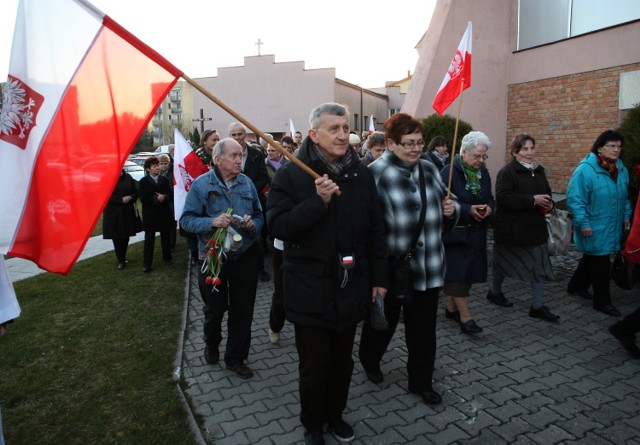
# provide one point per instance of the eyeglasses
(411, 144)
(478, 157)
(612, 146)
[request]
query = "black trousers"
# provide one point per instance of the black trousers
(120, 246)
(420, 336)
(325, 371)
(237, 295)
(593, 271)
(277, 312)
(630, 324)
(149, 245)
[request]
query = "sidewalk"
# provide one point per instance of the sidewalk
(520, 381)
(20, 269)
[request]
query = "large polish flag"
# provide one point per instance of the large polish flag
(80, 92)
(187, 166)
(458, 75)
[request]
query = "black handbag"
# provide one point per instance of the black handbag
(401, 276)
(623, 272)
(457, 236)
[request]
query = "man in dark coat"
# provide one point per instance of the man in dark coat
(334, 263)
(254, 167)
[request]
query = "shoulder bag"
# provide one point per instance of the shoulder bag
(559, 229)
(401, 276)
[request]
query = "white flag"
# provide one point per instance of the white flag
(185, 164)
(292, 129)
(372, 125)
(9, 307)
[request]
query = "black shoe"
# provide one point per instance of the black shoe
(241, 369)
(628, 341)
(470, 327)
(430, 397)
(264, 276)
(313, 438)
(211, 355)
(499, 299)
(580, 293)
(146, 269)
(374, 376)
(455, 315)
(341, 430)
(543, 313)
(608, 309)
(122, 265)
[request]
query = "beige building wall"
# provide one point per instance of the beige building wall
(268, 94)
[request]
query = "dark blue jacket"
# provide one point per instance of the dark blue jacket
(468, 263)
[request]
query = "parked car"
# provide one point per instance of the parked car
(162, 149)
(135, 170)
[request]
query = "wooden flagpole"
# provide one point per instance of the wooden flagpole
(264, 136)
(455, 140)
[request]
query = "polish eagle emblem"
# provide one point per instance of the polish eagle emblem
(20, 106)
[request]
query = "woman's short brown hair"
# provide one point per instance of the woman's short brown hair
(400, 124)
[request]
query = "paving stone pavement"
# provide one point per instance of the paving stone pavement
(522, 380)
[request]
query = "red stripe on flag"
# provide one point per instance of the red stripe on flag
(107, 106)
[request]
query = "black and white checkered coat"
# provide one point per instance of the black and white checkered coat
(397, 183)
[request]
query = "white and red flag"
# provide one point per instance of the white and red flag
(292, 130)
(187, 166)
(459, 72)
(372, 125)
(80, 92)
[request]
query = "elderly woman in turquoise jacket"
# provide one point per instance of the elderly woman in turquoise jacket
(597, 198)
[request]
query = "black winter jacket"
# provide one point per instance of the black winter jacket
(517, 220)
(118, 218)
(316, 234)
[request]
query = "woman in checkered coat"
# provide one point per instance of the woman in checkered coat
(397, 177)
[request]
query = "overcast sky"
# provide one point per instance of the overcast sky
(368, 42)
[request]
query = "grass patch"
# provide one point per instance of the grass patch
(91, 357)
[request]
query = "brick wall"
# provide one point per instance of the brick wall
(565, 115)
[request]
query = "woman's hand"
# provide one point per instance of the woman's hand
(586, 231)
(160, 197)
(480, 211)
(543, 201)
(448, 207)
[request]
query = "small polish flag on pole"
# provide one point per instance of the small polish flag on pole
(292, 130)
(372, 125)
(458, 77)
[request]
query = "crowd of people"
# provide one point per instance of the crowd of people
(384, 217)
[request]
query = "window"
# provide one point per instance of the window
(546, 21)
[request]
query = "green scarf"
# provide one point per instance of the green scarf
(473, 176)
